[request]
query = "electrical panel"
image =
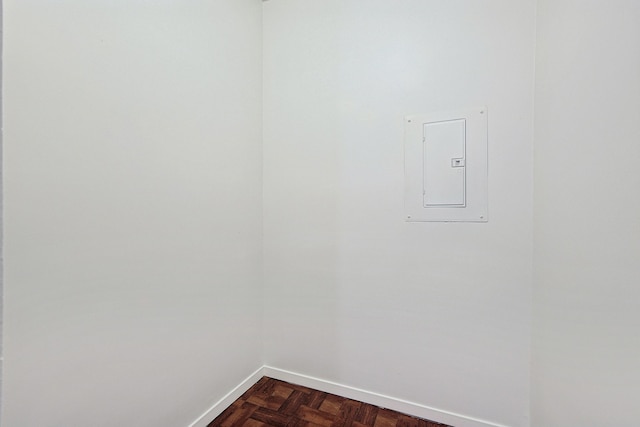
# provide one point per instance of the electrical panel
(446, 166)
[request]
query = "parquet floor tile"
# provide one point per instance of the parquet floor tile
(274, 403)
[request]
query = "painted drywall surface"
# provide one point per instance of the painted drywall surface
(132, 190)
(434, 313)
(1, 227)
(586, 358)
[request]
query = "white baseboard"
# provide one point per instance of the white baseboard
(377, 399)
(222, 404)
(404, 406)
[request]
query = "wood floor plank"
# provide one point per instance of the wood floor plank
(314, 416)
(405, 421)
(255, 388)
(367, 415)
(235, 406)
(239, 416)
(347, 414)
(253, 423)
(332, 404)
(316, 398)
(271, 418)
(273, 403)
(293, 403)
(386, 418)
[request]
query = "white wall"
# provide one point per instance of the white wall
(435, 313)
(132, 194)
(586, 369)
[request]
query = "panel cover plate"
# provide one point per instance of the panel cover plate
(448, 181)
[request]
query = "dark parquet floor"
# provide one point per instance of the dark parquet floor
(277, 403)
